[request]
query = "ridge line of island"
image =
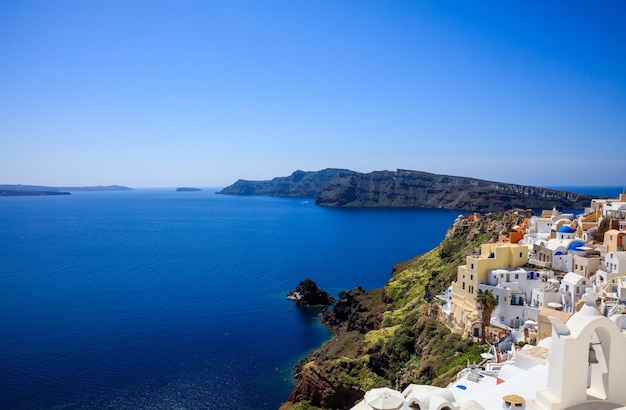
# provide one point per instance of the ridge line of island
(343, 188)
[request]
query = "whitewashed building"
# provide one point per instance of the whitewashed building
(581, 366)
(615, 262)
(513, 288)
(542, 227)
(615, 209)
(547, 296)
(572, 288)
(558, 253)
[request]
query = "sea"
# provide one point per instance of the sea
(157, 299)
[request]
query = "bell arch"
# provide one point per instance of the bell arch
(587, 360)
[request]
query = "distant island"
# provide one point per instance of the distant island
(24, 190)
(408, 189)
(187, 189)
(300, 184)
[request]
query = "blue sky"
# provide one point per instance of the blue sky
(202, 93)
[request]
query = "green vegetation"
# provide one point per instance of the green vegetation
(598, 235)
(471, 355)
(486, 303)
(303, 405)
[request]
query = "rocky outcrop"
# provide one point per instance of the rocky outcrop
(316, 388)
(350, 313)
(300, 184)
(405, 188)
(328, 376)
(308, 294)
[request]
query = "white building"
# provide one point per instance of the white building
(582, 366)
(572, 288)
(513, 288)
(558, 253)
(541, 227)
(615, 262)
(547, 296)
(615, 209)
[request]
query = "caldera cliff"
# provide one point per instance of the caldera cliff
(404, 188)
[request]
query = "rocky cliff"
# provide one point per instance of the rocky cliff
(422, 189)
(403, 188)
(395, 336)
(300, 184)
(307, 294)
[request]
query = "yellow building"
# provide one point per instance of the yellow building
(463, 313)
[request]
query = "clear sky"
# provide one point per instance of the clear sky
(202, 93)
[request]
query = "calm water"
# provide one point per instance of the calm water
(157, 299)
(600, 191)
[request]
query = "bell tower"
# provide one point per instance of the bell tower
(587, 360)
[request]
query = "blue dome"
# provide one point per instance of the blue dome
(566, 229)
(575, 245)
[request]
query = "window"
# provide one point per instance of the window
(516, 276)
(463, 285)
(521, 255)
(471, 277)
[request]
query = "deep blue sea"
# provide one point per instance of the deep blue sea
(155, 299)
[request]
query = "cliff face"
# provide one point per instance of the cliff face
(345, 188)
(421, 189)
(300, 184)
(395, 336)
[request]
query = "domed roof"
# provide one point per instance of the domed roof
(566, 229)
(575, 245)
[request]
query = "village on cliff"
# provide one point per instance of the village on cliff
(556, 325)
